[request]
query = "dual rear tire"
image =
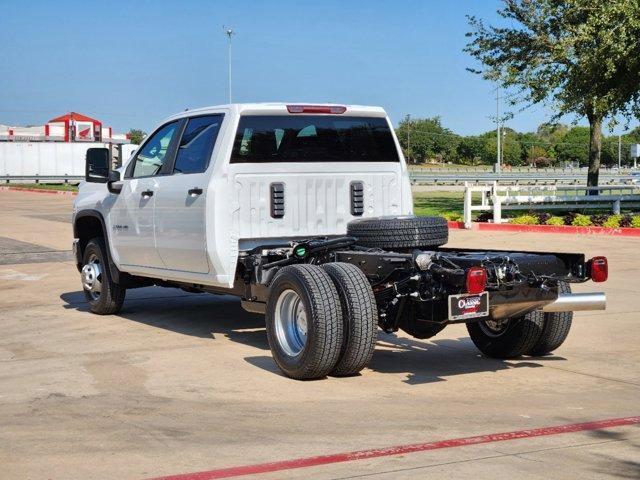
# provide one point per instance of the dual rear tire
(321, 320)
(535, 334)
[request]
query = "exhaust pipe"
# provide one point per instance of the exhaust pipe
(573, 302)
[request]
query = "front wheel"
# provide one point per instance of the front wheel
(105, 297)
(304, 322)
(507, 338)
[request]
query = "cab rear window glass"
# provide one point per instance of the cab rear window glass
(313, 138)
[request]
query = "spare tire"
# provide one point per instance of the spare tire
(399, 232)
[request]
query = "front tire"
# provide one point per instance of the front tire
(360, 316)
(105, 297)
(507, 339)
(304, 322)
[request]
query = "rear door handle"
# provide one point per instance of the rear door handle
(147, 193)
(195, 191)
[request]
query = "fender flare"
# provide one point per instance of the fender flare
(113, 268)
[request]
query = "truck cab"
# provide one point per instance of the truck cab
(212, 182)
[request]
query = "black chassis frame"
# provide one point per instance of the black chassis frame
(518, 282)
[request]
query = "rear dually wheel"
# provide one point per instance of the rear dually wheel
(304, 322)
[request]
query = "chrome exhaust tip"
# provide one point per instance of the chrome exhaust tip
(574, 302)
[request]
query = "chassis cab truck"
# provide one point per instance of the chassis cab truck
(304, 212)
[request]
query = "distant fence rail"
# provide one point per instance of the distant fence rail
(41, 178)
(419, 178)
(513, 178)
(496, 198)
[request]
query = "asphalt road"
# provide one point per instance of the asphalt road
(181, 383)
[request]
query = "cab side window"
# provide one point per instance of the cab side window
(196, 144)
(153, 155)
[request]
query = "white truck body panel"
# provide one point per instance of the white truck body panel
(198, 240)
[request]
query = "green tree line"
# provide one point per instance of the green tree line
(552, 144)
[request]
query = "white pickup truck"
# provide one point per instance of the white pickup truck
(304, 212)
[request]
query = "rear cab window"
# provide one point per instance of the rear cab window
(313, 138)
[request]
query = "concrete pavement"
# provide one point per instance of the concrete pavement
(183, 382)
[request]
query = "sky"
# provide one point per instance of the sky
(132, 63)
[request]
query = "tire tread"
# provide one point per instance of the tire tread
(325, 307)
(400, 232)
(359, 313)
(555, 330)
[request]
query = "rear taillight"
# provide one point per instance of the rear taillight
(598, 268)
(332, 109)
(476, 280)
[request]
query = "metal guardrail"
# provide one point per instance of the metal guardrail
(449, 177)
(42, 178)
(496, 198)
(513, 178)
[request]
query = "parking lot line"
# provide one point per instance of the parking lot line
(402, 449)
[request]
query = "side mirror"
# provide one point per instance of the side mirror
(112, 183)
(97, 165)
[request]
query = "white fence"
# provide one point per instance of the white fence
(496, 198)
(48, 159)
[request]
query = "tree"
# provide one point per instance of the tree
(574, 146)
(582, 56)
(510, 148)
(427, 139)
(532, 148)
(136, 136)
(470, 150)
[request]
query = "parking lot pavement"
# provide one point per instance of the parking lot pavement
(182, 382)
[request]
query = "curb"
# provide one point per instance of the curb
(506, 227)
(38, 190)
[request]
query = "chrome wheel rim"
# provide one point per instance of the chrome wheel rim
(291, 323)
(493, 328)
(92, 277)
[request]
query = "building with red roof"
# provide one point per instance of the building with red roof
(70, 127)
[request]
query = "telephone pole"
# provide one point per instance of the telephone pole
(498, 145)
(409, 136)
(619, 152)
(229, 32)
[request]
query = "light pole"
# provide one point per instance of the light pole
(228, 32)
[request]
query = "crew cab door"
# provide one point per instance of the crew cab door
(180, 219)
(131, 224)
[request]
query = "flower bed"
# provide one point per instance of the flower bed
(573, 223)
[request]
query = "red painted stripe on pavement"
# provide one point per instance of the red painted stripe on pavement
(401, 450)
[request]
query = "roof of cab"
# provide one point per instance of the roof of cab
(276, 107)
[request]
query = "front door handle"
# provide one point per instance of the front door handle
(195, 191)
(147, 193)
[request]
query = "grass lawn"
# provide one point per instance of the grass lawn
(437, 202)
(67, 187)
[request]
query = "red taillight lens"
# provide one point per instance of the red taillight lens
(316, 109)
(476, 280)
(599, 269)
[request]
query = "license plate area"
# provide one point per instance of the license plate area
(462, 307)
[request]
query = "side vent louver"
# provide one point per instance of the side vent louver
(357, 199)
(277, 200)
